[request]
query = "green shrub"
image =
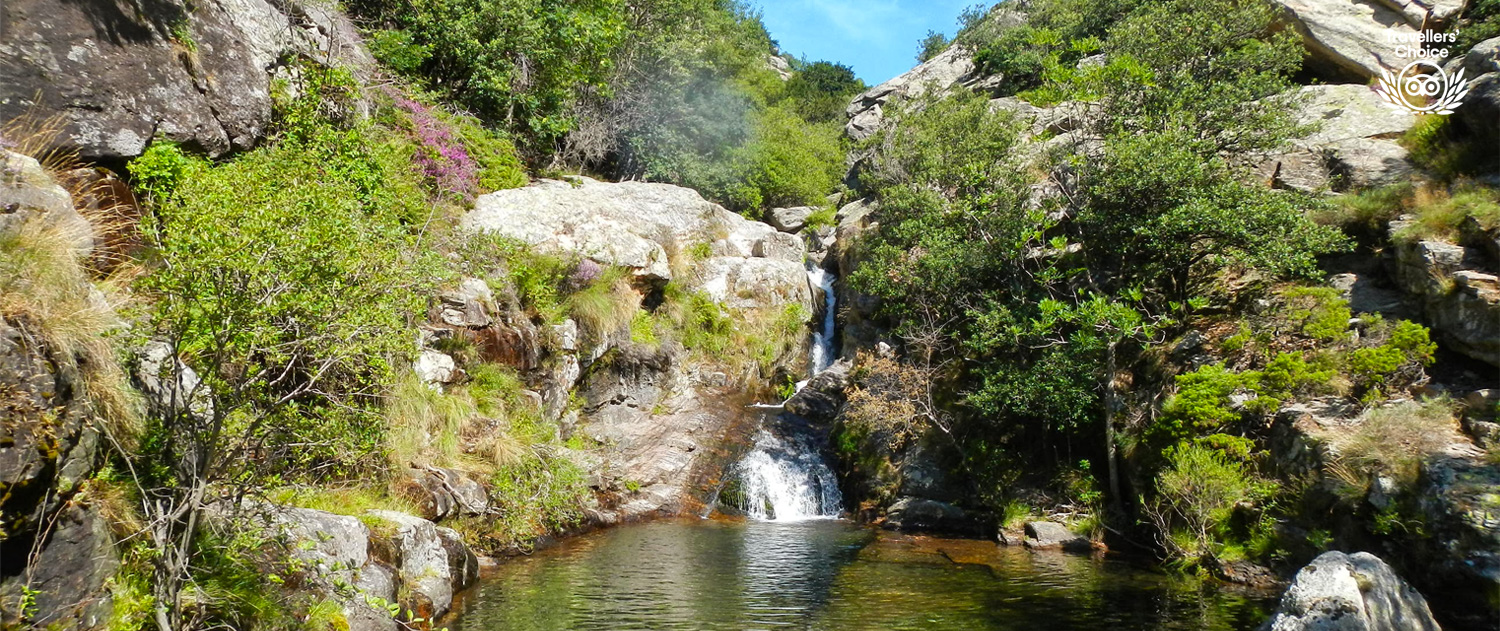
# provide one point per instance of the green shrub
(1197, 494)
(1440, 214)
(1202, 402)
(1288, 374)
(1407, 344)
(1368, 210)
(1321, 311)
(787, 162)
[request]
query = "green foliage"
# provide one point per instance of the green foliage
(1055, 36)
(819, 91)
(1409, 344)
(1197, 493)
(786, 162)
(1323, 313)
(542, 492)
(1479, 21)
(825, 217)
(931, 45)
(159, 171)
(1201, 403)
(1440, 214)
(524, 62)
(1367, 211)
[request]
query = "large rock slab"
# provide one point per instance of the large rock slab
(649, 227)
(198, 73)
(423, 566)
(1347, 39)
(68, 575)
(1461, 303)
(1049, 535)
(1354, 144)
(1350, 592)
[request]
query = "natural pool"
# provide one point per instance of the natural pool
(835, 576)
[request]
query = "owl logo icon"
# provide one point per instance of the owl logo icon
(1422, 87)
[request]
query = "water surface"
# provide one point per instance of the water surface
(832, 576)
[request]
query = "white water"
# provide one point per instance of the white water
(787, 480)
(822, 348)
(784, 478)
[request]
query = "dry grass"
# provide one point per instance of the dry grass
(424, 425)
(1394, 441)
(607, 305)
(1439, 213)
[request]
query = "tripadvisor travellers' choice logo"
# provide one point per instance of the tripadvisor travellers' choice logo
(1422, 86)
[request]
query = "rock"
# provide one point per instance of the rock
(1480, 111)
(470, 305)
(1354, 145)
(68, 574)
(823, 397)
(949, 68)
(423, 566)
(436, 368)
(780, 66)
(646, 227)
(781, 246)
(28, 193)
(1064, 117)
(1365, 295)
(1347, 39)
(1383, 492)
(1357, 592)
(922, 514)
(463, 564)
(443, 493)
(1245, 573)
(1047, 535)
(336, 547)
(789, 219)
(171, 391)
(1462, 305)
(857, 311)
(47, 440)
(197, 73)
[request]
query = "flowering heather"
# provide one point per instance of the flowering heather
(442, 156)
(585, 274)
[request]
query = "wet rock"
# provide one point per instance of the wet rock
(789, 219)
(1357, 592)
(1245, 573)
(821, 400)
(927, 515)
(423, 566)
(1047, 535)
(197, 73)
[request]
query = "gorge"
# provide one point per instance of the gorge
(401, 315)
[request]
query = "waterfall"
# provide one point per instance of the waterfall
(822, 349)
(784, 478)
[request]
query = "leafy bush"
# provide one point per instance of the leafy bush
(787, 162)
(1201, 403)
(1197, 494)
(1321, 311)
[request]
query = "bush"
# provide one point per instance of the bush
(1197, 494)
(1201, 403)
(1321, 311)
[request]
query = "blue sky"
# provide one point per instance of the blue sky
(878, 38)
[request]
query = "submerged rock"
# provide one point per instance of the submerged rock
(1344, 592)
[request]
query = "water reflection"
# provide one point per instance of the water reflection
(831, 576)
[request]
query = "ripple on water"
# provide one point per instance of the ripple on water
(831, 576)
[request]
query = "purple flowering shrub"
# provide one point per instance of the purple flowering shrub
(584, 274)
(441, 153)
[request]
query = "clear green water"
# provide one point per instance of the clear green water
(833, 576)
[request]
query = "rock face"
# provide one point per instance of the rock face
(1346, 39)
(422, 563)
(648, 228)
(821, 400)
(920, 514)
(1480, 112)
(198, 73)
(949, 68)
(1358, 592)
(337, 549)
(28, 193)
(68, 574)
(1458, 293)
(1354, 147)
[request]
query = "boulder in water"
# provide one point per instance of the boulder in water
(922, 514)
(1049, 535)
(823, 397)
(1350, 592)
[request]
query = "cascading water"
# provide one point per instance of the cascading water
(822, 348)
(784, 477)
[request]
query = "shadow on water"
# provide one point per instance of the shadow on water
(832, 576)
